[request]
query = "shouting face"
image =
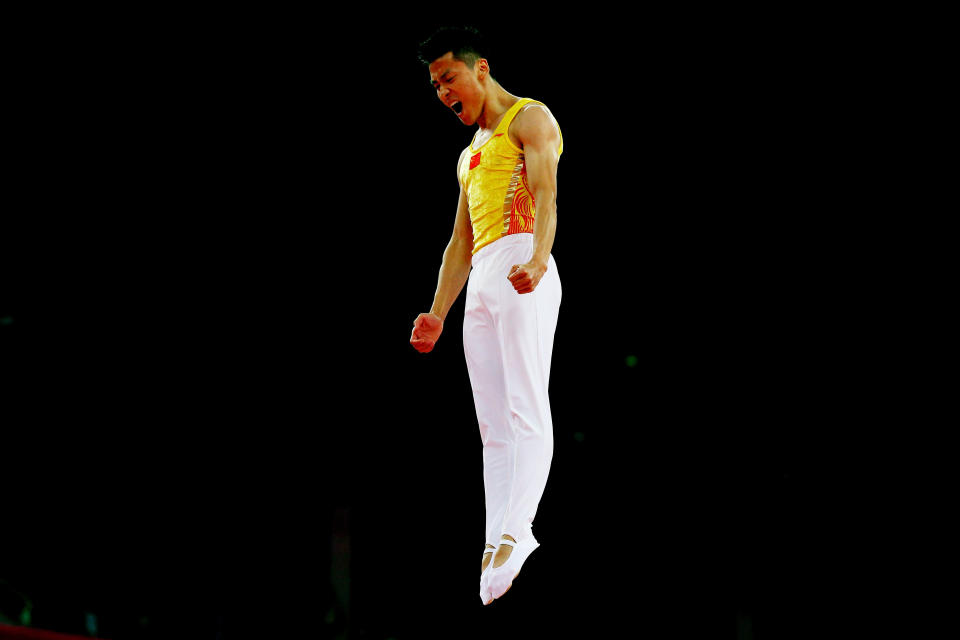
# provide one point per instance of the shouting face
(460, 87)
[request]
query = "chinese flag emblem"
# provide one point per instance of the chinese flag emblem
(475, 160)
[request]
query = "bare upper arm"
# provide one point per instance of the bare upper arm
(537, 131)
(536, 126)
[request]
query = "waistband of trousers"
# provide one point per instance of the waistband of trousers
(501, 244)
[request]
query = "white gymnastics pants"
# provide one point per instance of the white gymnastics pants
(508, 343)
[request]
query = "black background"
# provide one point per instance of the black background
(249, 210)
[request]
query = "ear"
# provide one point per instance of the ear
(483, 68)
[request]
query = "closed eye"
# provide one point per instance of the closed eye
(445, 80)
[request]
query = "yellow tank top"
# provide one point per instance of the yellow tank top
(495, 179)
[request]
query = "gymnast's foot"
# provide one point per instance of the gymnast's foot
(506, 565)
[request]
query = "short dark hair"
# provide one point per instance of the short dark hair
(466, 44)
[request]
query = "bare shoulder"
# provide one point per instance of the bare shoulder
(536, 111)
(534, 123)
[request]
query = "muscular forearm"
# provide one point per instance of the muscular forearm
(453, 275)
(544, 226)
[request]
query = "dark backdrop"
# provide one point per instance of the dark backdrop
(226, 428)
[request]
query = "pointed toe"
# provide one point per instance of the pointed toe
(501, 578)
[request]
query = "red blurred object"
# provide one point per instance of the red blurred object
(29, 633)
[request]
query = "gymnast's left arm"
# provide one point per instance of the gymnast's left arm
(538, 133)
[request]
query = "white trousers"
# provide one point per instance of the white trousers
(508, 343)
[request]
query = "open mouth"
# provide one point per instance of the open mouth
(457, 107)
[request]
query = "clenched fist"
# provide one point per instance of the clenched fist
(426, 329)
(526, 277)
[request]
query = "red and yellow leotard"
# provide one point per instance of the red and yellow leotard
(495, 179)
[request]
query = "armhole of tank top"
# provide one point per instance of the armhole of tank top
(463, 154)
(555, 123)
(524, 108)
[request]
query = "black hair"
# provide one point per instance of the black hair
(466, 43)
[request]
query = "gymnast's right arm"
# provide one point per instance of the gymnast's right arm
(453, 275)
